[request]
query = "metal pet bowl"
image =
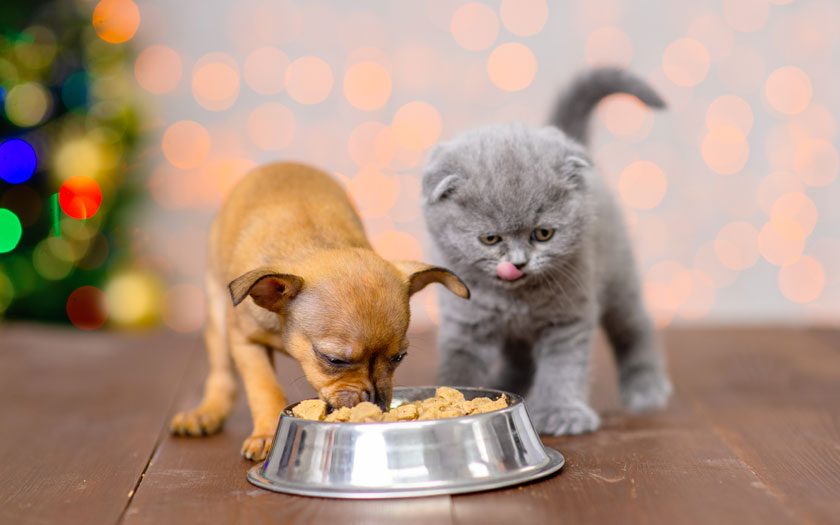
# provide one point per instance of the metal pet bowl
(407, 459)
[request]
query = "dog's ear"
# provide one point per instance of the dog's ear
(419, 275)
(269, 289)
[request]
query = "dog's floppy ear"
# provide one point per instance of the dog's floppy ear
(419, 275)
(269, 289)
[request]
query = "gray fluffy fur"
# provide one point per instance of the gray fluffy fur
(533, 336)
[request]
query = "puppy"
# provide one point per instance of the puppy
(292, 270)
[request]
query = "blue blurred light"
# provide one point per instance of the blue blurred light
(17, 161)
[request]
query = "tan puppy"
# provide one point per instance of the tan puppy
(289, 238)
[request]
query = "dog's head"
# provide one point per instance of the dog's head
(344, 317)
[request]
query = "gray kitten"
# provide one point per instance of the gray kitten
(523, 218)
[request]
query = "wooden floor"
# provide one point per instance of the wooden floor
(752, 436)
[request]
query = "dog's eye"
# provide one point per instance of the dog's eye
(489, 239)
(336, 361)
(399, 357)
(542, 234)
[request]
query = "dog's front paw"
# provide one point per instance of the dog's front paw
(645, 390)
(557, 420)
(256, 447)
(196, 422)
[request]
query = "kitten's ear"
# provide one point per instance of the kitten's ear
(268, 288)
(444, 188)
(418, 275)
(575, 162)
(439, 177)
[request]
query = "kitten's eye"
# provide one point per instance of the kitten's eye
(489, 239)
(542, 234)
(399, 357)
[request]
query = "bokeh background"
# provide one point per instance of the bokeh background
(731, 194)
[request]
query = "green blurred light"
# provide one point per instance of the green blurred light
(10, 230)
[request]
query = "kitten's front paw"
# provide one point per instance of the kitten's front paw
(645, 390)
(574, 418)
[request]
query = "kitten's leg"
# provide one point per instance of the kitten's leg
(517, 368)
(557, 402)
(466, 356)
(643, 379)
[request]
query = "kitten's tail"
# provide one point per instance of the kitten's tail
(574, 107)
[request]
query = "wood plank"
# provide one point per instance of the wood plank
(81, 415)
(662, 468)
(203, 480)
(774, 397)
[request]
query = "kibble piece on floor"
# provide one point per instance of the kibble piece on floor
(314, 409)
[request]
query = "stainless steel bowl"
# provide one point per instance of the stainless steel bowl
(407, 459)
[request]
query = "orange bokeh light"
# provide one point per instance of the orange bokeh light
(158, 69)
(781, 241)
(774, 186)
(667, 286)
(396, 245)
(625, 116)
(367, 85)
(265, 70)
(186, 144)
(374, 193)
(642, 185)
(309, 80)
(816, 162)
(803, 281)
(746, 16)
(524, 17)
(417, 125)
(685, 62)
(608, 45)
(730, 110)
(788, 90)
(798, 208)
(736, 245)
(80, 197)
(512, 66)
(271, 126)
(116, 21)
(86, 308)
(372, 144)
(215, 81)
(699, 302)
(725, 149)
(474, 26)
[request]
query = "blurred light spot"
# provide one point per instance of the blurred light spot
(158, 69)
(781, 144)
(367, 85)
(271, 126)
(276, 22)
(743, 70)
(788, 90)
(746, 16)
(27, 104)
(395, 245)
(725, 149)
(711, 31)
(133, 299)
(417, 125)
(642, 185)
(474, 26)
(730, 110)
(699, 302)
(524, 17)
(780, 2)
(374, 193)
(802, 281)
(215, 81)
(7, 292)
(512, 66)
(667, 286)
(796, 207)
(116, 21)
(265, 70)
(220, 175)
(685, 62)
(625, 116)
(186, 144)
(74, 91)
(96, 255)
(817, 162)
(608, 45)
(736, 245)
(78, 157)
(48, 264)
(80, 197)
(10, 230)
(183, 308)
(86, 308)
(309, 80)
(17, 161)
(818, 121)
(707, 262)
(372, 144)
(781, 241)
(774, 186)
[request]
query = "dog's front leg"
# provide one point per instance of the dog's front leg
(265, 397)
(557, 402)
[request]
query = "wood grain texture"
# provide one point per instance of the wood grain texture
(80, 414)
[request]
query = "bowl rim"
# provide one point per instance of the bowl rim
(515, 401)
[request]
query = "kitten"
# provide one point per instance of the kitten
(520, 214)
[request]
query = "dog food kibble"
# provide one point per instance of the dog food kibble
(448, 402)
(310, 409)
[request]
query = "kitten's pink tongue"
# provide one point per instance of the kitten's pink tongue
(508, 271)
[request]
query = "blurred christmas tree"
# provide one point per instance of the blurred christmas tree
(67, 132)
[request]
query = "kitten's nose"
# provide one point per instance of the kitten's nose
(520, 265)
